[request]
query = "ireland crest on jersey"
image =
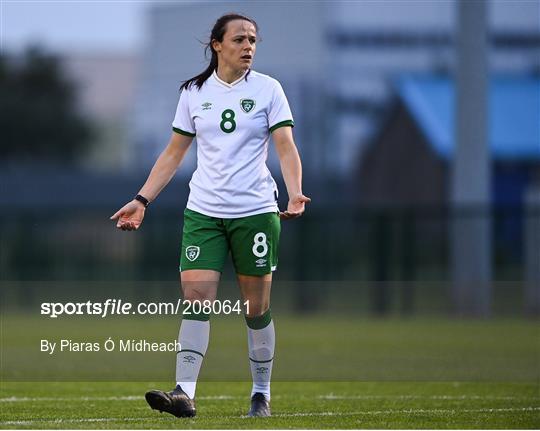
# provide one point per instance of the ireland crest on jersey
(192, 252)
(247, 105)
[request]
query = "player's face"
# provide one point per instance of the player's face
(237, 49)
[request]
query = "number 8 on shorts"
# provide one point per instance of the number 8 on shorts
(254, 243)
(260, 241)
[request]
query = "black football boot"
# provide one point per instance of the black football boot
(175, 402)
(260, 406)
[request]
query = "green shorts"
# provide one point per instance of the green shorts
(253, 242)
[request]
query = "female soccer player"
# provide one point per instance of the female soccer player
(232, 110)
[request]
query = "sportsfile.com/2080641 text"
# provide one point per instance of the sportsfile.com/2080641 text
(118, 307)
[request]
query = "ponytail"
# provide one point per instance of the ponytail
(200, 79)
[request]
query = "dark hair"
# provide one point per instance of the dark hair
(217, 34)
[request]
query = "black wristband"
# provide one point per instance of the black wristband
(142, 200)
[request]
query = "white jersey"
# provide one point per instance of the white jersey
(232, 123)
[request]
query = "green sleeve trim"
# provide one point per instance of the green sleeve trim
(183, 132)
(282, 124)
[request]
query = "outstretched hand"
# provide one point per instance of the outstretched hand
(295, 208)
(130, 216)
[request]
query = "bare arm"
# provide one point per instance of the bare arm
(291, 168)
(165, 166)
(131, 215)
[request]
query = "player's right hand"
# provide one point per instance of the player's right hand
(130, 216)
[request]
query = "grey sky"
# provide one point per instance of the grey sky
(119, 25)
(73, 25)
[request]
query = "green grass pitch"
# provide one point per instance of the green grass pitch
(330, 372)
(114, 405)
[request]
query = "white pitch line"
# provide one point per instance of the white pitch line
(288, 415)
(62, 421)
(24, 399)
(124, 398)
(236, 397)
(430, 397)
(410, 411)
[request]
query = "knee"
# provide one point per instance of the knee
(256, 308)
(193, 293)
(199, 285)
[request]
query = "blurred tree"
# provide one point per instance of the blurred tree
(39, 119)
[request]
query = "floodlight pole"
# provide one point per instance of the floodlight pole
(471, 170)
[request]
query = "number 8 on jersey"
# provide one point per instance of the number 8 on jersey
(228, 125)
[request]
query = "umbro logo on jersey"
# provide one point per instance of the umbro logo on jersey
(192, 252)
(247, 105)
(206, 106)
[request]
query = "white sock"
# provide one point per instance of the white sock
(193, 338)
(261, 343)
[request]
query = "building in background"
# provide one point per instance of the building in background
(372, 43)
(408, 161)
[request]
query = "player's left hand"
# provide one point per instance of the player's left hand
(295, 208)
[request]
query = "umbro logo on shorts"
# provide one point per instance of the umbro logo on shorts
(192, 252)
(260, 263)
